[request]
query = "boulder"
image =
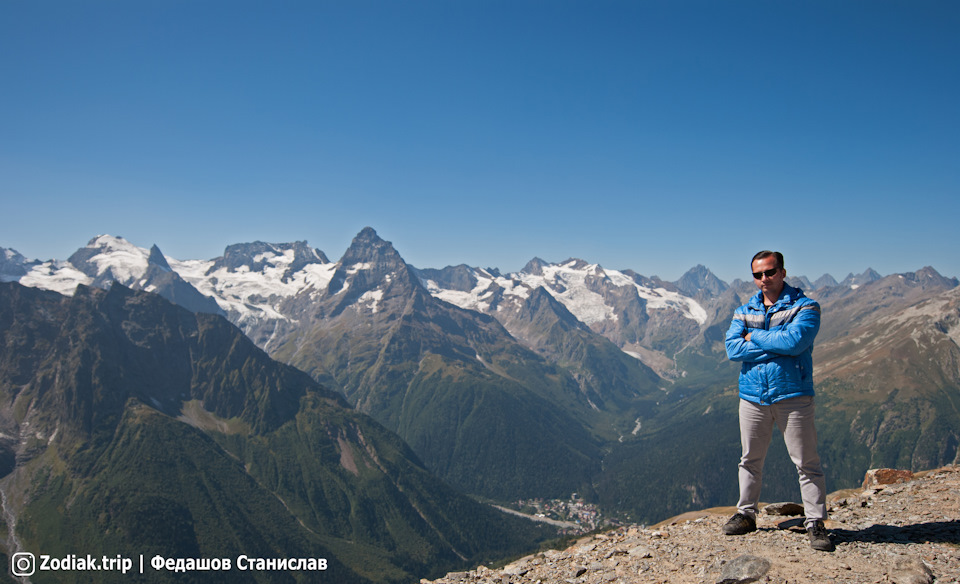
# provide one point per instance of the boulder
(885, 476)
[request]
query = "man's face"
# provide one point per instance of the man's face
(769, 285)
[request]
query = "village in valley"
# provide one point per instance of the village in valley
(574, 516)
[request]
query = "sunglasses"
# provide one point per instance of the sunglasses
(768, 273)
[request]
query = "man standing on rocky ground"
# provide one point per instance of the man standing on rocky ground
(772, 336)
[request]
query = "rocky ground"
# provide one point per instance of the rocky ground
(907, 532)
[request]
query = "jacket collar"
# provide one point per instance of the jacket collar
(788, 295)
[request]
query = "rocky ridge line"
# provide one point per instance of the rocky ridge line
(906, 532)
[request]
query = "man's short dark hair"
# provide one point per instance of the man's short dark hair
(762, 255)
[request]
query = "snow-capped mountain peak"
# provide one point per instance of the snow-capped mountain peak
(586, 290)
(251, 280)
(369, 264)
(610, 302)
(111, 258)
(473, 289)
(574, 284)
(260, 286)
(103, 260)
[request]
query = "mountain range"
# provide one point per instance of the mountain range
(132, 426)
(564, 377)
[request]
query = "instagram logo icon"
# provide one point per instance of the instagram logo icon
(23, 564)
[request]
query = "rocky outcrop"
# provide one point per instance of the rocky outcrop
(904, 532)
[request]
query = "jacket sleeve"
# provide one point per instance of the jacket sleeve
(740, 349)
(795, 337)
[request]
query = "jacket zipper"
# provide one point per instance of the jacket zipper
(765, 396)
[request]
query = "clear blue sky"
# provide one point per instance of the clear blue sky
(650, 135)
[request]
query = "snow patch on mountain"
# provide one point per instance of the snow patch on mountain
(568, 283)
(56, 275)
(104, 255)
(255, 294)
(573, 283)
(371, 300)
(477, 299)
(125, 261)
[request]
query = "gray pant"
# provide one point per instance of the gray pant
(794, 417)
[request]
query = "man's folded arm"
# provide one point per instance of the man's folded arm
(740, 349)
(793, 339)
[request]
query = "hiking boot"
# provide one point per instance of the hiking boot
(740, 524)
(819, 540)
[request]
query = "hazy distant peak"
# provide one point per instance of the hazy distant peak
(156, 258)
(869, 275)
(930, 273)
(534, 267)
(700, 278)
(825, 281)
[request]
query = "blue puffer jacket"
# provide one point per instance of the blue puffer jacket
(777, 360)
